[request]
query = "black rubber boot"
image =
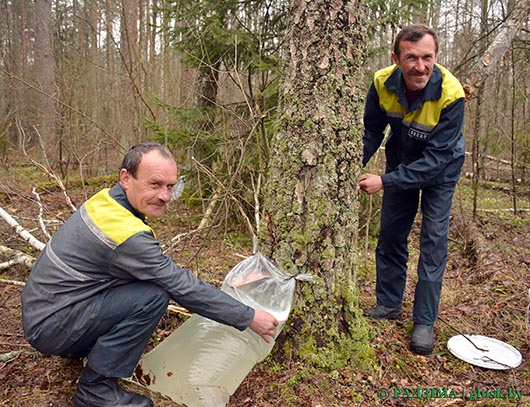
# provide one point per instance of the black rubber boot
(95, 390)
(422, 340)
(381, 312)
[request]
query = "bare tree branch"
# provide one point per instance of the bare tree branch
(41, 221)
(47, 169)
(216, 196)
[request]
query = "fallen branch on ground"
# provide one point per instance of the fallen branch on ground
(7, 264)
(12, 282)
(23, 233)
(10, 356)
(178, 310)
(41, 210)
(17, 256)
(502, 210)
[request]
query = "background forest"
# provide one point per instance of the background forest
(83, 80)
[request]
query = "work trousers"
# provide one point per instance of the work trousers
(399, 209)
(122, 320)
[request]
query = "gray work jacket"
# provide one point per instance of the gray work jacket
(104, 244)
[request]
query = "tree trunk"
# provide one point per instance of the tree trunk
(208, 84)
(498, 48)
(475, 153)
(128, 50)
(45, 71)
(310, 201)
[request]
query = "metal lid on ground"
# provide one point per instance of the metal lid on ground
(483, 351)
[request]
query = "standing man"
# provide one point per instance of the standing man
(423, 103)
(102, 283)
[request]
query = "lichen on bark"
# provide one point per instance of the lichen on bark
(310, 201)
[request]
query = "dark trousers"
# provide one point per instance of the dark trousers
(122, 320)
(397, 216)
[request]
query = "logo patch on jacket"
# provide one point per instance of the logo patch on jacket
(417, 134)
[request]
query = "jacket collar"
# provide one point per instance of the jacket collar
(118, 193)
(433, 91)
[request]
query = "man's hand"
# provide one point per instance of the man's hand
(264, 324)
(371, 183)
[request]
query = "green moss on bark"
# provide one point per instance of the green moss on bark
(310, 222)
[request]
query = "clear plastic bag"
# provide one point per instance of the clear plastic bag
(203, 362)
(259, 283)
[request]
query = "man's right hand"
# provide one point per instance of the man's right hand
(264, 324)
(371, 183)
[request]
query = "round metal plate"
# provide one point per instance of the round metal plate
(493, 354)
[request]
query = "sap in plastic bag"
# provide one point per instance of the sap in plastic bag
(259, 283)
(203, 362)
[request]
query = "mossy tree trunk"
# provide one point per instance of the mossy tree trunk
(310, 204)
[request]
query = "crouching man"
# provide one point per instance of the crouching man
(101, 285)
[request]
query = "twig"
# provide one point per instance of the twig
(11, 334)
(256, 189)
(488, 359)
(178, 310)
(41, 210)
(464, 335)
(208, 213)
(215, 198)
(13, 282)
(22, 345)
(46, 170)
(58, 181)
(503, 210)
(177, 238)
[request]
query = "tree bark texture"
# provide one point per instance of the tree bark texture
(310, 203)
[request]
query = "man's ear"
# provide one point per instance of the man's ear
(125, 176)
(395, 58)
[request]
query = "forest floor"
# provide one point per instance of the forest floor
(485, 292)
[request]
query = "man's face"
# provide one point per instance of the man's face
(416, 60)
(150, 191)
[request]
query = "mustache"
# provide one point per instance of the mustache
(159, 202)
(418, 73)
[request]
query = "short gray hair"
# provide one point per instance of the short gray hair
(414, 33)
(132, 158)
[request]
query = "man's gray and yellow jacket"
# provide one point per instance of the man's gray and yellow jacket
(104, 244)
(425, 145)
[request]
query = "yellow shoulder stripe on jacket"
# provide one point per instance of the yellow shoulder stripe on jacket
(112, 219)
(451, 86)
(429, 115)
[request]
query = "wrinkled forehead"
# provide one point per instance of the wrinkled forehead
(424, 46)
(154, 164)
